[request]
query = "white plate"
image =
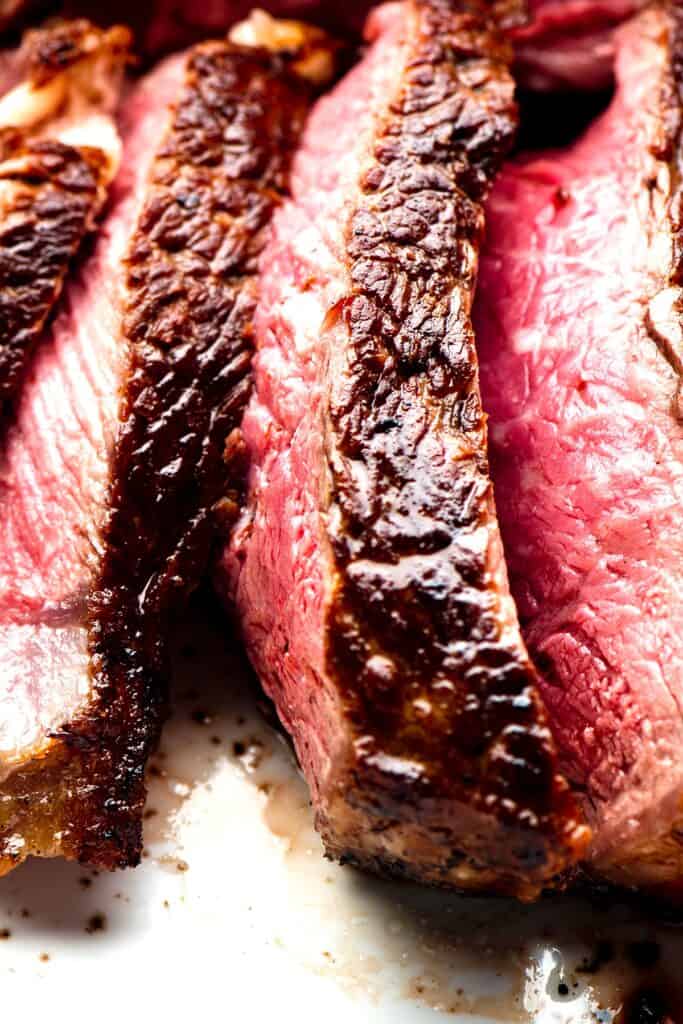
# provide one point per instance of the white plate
(235, 915)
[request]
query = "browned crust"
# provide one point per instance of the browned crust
(664, 195)
(49, 194)
(49, 51)
(177, 474)
(474, 797)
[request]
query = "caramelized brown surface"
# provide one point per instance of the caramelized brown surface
(50, 192)
(453, 775)
(177, 476)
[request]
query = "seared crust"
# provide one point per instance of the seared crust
(663, 192)
(49, 194)
(452, 777)
(177, 472)
(48, 52)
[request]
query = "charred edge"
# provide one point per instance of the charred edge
(414, 623)
(665, 323)
(439, 875)
(54, 192)
(47, 52)
(178, 466)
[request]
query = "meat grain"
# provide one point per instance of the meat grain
(117, 456)
(578, 320)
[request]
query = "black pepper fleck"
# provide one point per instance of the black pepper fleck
(601, 955)
(97, 923)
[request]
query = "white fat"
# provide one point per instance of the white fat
(281, 35)
(665, 320)
(96, 130)
(74, 107)
(261, 29)
(26, 106)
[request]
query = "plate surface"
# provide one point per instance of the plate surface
(234, 913)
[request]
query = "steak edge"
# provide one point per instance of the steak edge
(53, 174)
(161, 314)
(578, 319)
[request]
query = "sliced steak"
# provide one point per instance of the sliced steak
(367, 573)
(579, 327)
(106, 505)
(59, 151)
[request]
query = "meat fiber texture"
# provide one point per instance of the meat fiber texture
(123, 460)
(576, 321)
(366, 573)
(52, 505)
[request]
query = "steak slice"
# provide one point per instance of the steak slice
(58, 153)
(367, 572)
(579, 327)
(106, 506)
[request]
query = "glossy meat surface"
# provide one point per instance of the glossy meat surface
(58, 153)
(367, 573)
(52, 506)
(124, 456)
(578, 320)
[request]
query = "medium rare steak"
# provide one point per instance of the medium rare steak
(367, 572)
(106, 506)
(58, 153)
(579, 326)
